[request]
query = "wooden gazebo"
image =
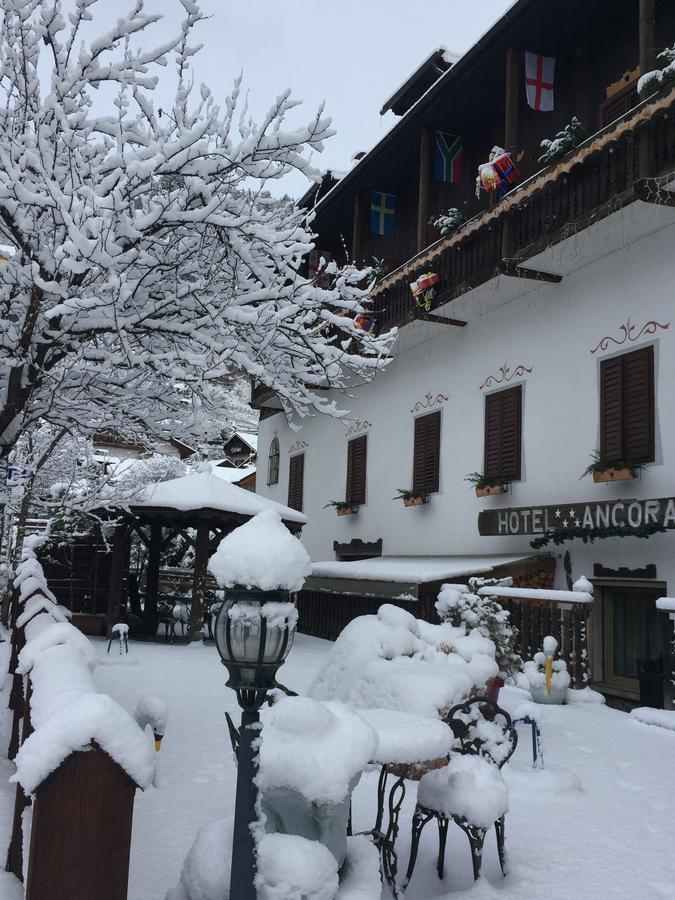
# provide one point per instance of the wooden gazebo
(202, 501)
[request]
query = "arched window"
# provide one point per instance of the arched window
(273, 463)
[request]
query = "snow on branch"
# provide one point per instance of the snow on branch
(149, 254)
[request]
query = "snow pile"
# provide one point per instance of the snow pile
(316, 749)
(666, 604)
(535, 673)
(261, 553)
(393, 661)
(152, 711)
(407, 738)
(469, 787)
(660, 77)
(291, 867)
(206, 870)
(583, 585)
(360, 875)
(40, 603)
(663, 718)
(67, 714)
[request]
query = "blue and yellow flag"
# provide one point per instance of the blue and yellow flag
(382, 212)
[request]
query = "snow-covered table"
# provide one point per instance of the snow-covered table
(407, 746)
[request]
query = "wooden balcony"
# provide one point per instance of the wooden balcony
(632, 159)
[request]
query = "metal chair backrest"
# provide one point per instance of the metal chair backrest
(483, 728)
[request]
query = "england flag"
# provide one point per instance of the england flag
(539, 72)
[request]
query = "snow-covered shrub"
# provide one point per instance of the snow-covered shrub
(292, 868)
(652, 81)
(482, 614)
(395, 661)
(450, 220)
(570, 137)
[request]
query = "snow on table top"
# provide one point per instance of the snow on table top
(406, 737)
(204, 490)
(537, 594)
(663, 718)
(667, 604)
(415, 569)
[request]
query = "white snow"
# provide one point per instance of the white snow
(39, 603)
(550, 645)
(666, 604)
(607, 784)
(583, 585)
(228, 473)
(414, 569)
(537, 594)
(407, 737)
(316, 749)
(393, 661)
(262, 553)
(294, 868)
(204, 490)
(360, 874)
(152, 711)
(663, 718)
(470, 787)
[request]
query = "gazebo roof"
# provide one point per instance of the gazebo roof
(205, 491)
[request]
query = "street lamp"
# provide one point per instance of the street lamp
(254, 632)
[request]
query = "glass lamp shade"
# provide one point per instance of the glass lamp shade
(254, 632)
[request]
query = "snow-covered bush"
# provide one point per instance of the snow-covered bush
(570, 137)
(450, 220)
(484, 615)
(395, 661)
(652, 81)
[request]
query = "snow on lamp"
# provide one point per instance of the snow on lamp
(258, 564)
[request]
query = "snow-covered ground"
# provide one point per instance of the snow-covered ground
(596, 823)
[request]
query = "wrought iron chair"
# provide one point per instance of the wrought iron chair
(484, 731)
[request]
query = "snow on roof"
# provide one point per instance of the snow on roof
(666, 604)
(415, 569)
(537, 594)
(204, 490)
(232, 474)
(247, 437)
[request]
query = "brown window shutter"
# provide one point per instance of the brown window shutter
(295, 479)
(638, 405)
(426, 453)
(356, 470)
(611, 408)
(503, 430)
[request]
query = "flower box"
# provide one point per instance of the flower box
(490, 489)
(346, 510)
(415, 501)
(625, 473)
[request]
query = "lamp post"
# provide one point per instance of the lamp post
(254, 632)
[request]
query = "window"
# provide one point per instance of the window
(296, 474)
(503, 426)
(356, 471)
(627, 407)
(273, 463)
(426, 455)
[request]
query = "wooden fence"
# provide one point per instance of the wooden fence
(82, 812)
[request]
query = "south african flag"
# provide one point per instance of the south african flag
(448, 158)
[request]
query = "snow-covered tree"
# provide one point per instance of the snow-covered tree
(149, 263)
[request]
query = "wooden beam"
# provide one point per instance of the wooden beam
(438, 320)
(647, 36)
(357, 227)
(118, 566)
(511, 100)
(199, 582)
(139, 531)
(423, 189)
(513, 269)
(150, 613)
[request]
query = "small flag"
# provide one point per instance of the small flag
(448, 158)
(539, 74)
(382, 212)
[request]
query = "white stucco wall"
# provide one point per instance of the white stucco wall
(551, 330)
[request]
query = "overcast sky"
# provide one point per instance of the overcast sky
(351, 53)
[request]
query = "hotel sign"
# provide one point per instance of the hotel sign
(612, 514)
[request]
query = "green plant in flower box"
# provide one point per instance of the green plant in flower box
(487, 484)
(616, 469)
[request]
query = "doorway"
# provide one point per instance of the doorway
(633, 630)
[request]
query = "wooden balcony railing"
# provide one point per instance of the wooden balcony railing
(609, 171)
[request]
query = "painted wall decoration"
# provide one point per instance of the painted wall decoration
(630, 333)
(429, 401)
(506, 374)
(358, 426)
(297, 446)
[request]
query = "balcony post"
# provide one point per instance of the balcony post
(510, 132)
(423, 195)
(357, 227)
(647, 33)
